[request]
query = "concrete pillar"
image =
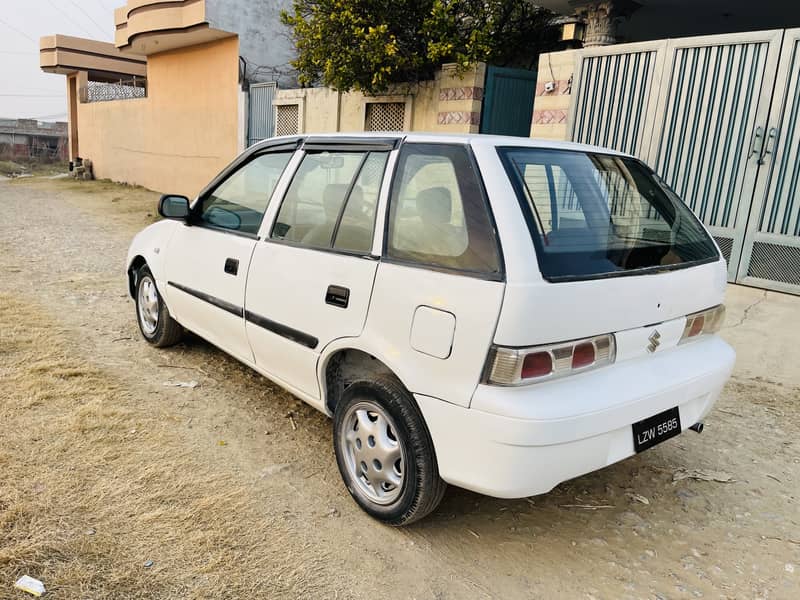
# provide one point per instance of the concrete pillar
(601, 18)
(460, 99)
(72, 115)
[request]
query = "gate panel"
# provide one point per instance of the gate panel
(616, 96)
(716, 90)
(261, 123)
(771, 254)
(508, 101)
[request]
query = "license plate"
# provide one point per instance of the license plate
(656, 429)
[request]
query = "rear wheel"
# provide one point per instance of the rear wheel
(385, 453)
(156, 324)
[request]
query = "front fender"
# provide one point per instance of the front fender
(149, 246)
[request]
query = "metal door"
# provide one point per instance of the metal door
(716, 91)
(771, 253)
(261, 122)
(616, 97)
(698, 111)
(508, 101)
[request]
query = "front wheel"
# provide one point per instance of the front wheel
(385, 453)
(156, 324)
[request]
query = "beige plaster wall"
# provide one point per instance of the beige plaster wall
(181, 135)
(449, 103)
(551, 109)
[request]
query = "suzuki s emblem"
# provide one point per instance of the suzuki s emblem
(655, 341)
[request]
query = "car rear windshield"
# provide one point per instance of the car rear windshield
(598, 215)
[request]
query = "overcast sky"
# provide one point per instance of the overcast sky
(25, 90)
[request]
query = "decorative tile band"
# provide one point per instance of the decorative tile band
(549, 117)
(460, 93)
(459, 117)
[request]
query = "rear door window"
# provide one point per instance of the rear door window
(596, 215)
(438, 214)
(331, 201)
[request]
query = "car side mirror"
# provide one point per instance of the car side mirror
(173, 206)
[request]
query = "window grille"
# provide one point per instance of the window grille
(102, 91)
(385, 116)
(775, 263)
(287, 119)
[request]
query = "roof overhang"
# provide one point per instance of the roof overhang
(66, 54)
(150, 26)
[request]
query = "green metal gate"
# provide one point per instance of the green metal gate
(716, 117)
(508, 101)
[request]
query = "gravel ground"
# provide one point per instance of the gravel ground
(712, 515)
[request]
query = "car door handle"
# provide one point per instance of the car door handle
(337, 296)
(231, 266)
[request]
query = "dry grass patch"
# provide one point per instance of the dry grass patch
(94, 482)
(131, 207)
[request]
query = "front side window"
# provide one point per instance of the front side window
(438, 214)
(239, 202)
(599, 215)
(331, 201)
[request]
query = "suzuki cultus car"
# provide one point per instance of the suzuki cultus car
(499, 314)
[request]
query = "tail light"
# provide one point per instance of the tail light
(703, 322)
(518, 366)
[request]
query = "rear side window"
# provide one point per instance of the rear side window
(239, 202)
(438, 214)
(598, 215)
(331, 201)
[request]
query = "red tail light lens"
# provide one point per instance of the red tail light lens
(517, 366)
(703, 322)
(583, 355)
(697, 326)
(537, 364)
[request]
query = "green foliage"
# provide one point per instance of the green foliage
(368, 45)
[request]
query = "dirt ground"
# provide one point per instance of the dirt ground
(114, 484)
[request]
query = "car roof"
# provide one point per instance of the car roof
(474, 139)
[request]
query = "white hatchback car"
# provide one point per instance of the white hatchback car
(500, 314)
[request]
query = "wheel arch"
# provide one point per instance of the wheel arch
(344, 361)
(136, 263)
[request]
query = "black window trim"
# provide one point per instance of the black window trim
(529, 214)
(352, 147)
(261, 149)
(351, 144)
(500, 275)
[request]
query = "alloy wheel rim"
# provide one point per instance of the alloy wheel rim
(373, 453)
(148, 305)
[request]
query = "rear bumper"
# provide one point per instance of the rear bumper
(517, 442)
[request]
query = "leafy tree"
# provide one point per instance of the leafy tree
(369, 45)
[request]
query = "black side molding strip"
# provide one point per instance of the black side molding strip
(304, 339)
(226, 306)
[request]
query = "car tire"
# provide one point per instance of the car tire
(385, 453)
(156, 324)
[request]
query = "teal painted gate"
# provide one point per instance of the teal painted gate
(508, 101)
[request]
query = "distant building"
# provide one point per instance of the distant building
(28, 138)
(168, 104)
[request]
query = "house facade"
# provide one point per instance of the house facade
(166, 105)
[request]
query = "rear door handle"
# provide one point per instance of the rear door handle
(337, 296)
(231, 266)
